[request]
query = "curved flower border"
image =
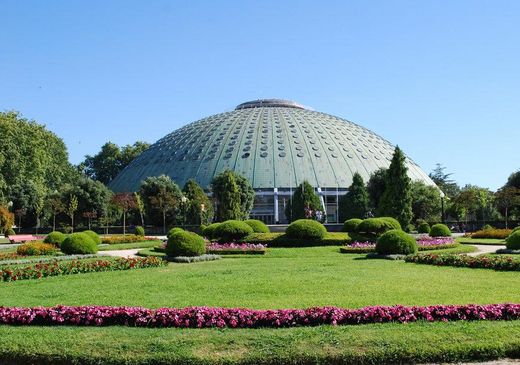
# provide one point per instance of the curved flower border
(206, 317)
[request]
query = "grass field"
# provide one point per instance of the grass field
(283, 278)
(480, 241)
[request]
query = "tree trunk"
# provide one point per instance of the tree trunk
(72, 223)
(164, 221)
(506, 219)
(53, 221)
(124, 222)
(142, 219)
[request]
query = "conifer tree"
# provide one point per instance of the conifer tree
(304, 203)
(354, 204)
(199, 209)
(396, 201)
(227, 194)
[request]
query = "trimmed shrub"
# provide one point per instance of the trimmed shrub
(306, 229)
(258, 226)
(121, 238)
(10, 232)
(36, 248)
(232, 230)
(55, 238)
(276, 239)
(139, 231)
(79, 243)
(513, 241)
(516, 229)
(184, 243)
(487, 226)
(396, 242)
(95, 237)
(209, 231)
(351, 225)
(377, 226)
(424, 228)
(440, 230)
(173, 231)
(394, 223)
(492, 233)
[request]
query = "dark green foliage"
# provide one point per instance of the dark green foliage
(374, 227)
(447, 185)
(227, 193)
(440, 230)
(424, 227)
(111, 160)
(396, 242)
(351, 225)
(513, 241)
(258, 226)
(174, 230)
(161, 198)
(306, 229)
(56, 238)
(247, 195)
(516, 229)
(426, 202)
(94, 236)
(10, 232)
(354, 204)
(274, 240)
(232, 230)
(209, 231)
(303, 197)
(6, 220)
(184, 243)
(139, 231)
(198, 207)
(78, 243)
(376, 187)
(514, 180)
(397, 200)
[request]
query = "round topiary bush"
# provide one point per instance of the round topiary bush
(351, 225)
(184, 243)
(78, 243)
(424, 228)
(516, 229)
(10, 232)
(440, 230)
(258, 226)
(139, 231)
(55, 238)
(95, 237)
(232, 230)
(513, 241)
(396, 242)
(173, 231)
(209, 231)
(306, 229)
(377, 226)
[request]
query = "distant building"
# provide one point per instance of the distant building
(276, 144)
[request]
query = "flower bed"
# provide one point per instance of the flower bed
(499, 263)
(425, 243)
(9, 256)
(56, 268)
(127, 238)
(236, 248)
(205, 317)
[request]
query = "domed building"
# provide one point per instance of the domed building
(276, 144)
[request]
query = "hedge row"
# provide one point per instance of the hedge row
(492, 233)
(282, 240)
(76, 267)
(205, 317)
(372, 248)
(499, 263)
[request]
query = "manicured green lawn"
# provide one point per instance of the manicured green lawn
(283, 278)
(480, 241)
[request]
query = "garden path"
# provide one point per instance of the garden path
(483, 249)
(122, 253)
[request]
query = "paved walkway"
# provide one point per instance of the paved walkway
(122, 253)
(482, 249)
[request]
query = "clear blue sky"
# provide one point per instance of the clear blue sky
(439, 78)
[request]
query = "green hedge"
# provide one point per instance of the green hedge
(95, 237)
(513, 241)
(79, 243)
(232, 230)
(396, 242)
(424, 228)
(282, 240)
(351, 225)
(184, 243)
(55, 238)
(375, 227)
(209, 231)
(306, 229)
(440, 230)
(258, 226)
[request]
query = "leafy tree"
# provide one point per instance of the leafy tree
(376, 187)
(6, 219)
(140, 207)
(305, 203)
(506, 198)
(199, 209)
(354, 204)
(125, 202)
(514, 180)
(397, 200)
(227, 194)
(161, 197)
(25, 197)
(111, 160)
(426, 202)
(247, 195)
(31, 154)
(447, 185)
(90, 216)
(71, 209)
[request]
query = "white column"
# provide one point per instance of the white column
(276, 216)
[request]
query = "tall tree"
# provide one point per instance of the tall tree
(354, 204)
(247, 195)
(71, 209)
(443, 180)
(304, 204)
(140, 207)
(227, 195)
(506, 198)
(161, 197)
(426, 202)
(125, 202)
(111, 160)
(514, 180)
(199, 209)
(376, 187)
(397, 199)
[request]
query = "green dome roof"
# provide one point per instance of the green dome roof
(272, 142)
